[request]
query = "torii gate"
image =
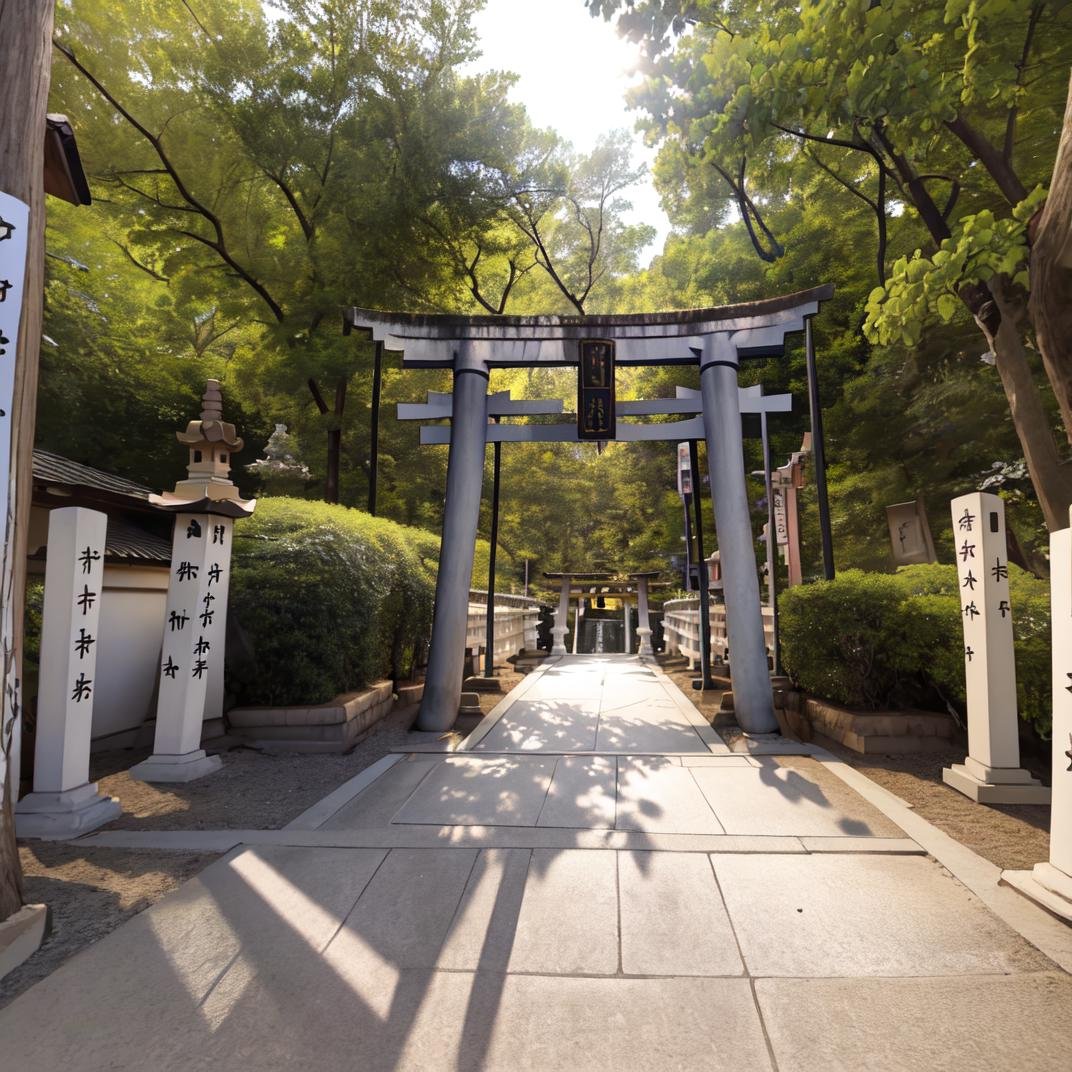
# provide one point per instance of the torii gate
(716, 339)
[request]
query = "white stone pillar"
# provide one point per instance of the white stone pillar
(643, 619)
(577, 615)
(991, 773)
(628, 642)
(561, 626)
(64, 803)
(465, 478)
(194, 632)
(753, 701)
(1050, 884)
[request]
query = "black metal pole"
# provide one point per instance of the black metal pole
(701, 572)
(687, 500)
(818, 451)
(772, 585)
(489, 638)
(374, 447)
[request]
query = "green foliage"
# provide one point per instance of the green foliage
(879, 641)
(327, 600)
(921, 289)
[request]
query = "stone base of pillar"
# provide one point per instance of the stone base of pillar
(60, 816)
(644, 641)
(1046, 885)
(995, 785)
(558, 646)
(185, 768)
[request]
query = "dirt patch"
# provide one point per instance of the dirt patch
(509, 679)
(90, 892)
(254, 790)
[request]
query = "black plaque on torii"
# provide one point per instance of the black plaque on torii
(595, 390)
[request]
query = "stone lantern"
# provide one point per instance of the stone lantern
(205, 505)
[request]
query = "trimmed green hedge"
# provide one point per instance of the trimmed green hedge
(324, 599)
(879, 640)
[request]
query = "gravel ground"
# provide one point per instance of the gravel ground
(1010, 836)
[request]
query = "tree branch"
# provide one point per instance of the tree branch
(998, 167)
(218, 244)
(749, 212)
(137, 264)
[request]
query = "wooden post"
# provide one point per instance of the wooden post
(26, 45)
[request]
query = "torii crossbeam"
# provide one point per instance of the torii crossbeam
(716, 340)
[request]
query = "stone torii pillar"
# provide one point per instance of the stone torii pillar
(577, 615)
(64, 803)
(561, 626)
(752, 699)
(643, 617)
(205, 506)
(627, 625)
(461, 517)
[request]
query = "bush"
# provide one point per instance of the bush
(874, 641)
(325, 600)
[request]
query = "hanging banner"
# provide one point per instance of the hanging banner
(595, 390)
(684, 470)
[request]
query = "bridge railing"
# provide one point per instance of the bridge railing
(516, 623)
(681, 630)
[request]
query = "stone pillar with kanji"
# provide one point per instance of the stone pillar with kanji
(991, 773)
(206, 506)
(64, 803)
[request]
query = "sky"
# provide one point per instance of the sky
(573, 71)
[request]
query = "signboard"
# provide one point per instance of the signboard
(14, 225)
(781, 521)
(684, 470)
(910, 535)
(595, 390)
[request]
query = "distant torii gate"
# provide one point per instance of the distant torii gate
(716, 339)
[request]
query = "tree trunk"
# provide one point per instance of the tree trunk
(1050, 474)
(1051, 277)
(26, 48)
(331, 482)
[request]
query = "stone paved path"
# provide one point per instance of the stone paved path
(595, 882)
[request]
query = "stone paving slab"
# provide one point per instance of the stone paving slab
(983, 1023)
(378, 804)
(558, 725)
(772, 799)
(672, 917)
(478, 791)
(402, 917)
(863, 915)
(660, 797)
(582, 794)
(616, 1025)
(485, 925)
(568, 923)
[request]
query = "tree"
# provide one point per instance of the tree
(271, 166)
(25, 30)
(949, 110)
